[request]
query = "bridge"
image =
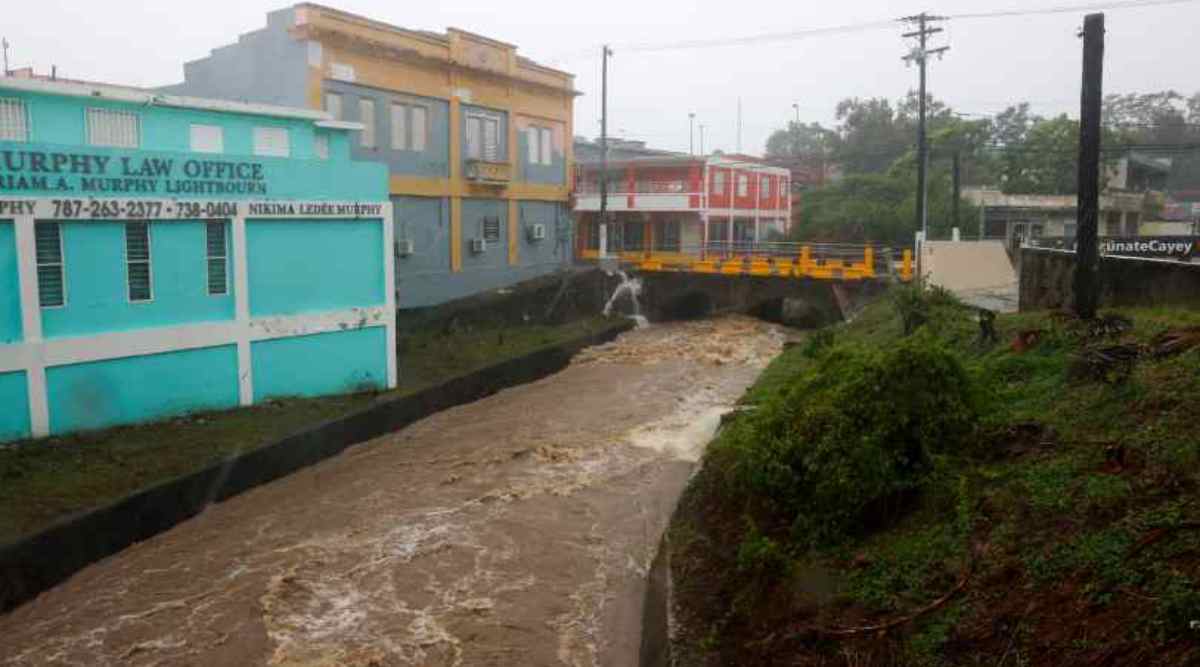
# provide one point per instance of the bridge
(767, 259)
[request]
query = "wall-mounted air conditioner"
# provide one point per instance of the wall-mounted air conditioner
(404, 247)
(537, 232)
(478, 245)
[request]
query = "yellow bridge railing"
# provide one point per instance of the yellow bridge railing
(780, 259)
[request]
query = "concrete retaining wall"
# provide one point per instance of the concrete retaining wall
(43, 560)
(1046, 277)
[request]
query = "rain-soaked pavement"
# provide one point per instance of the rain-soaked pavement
(516, 530)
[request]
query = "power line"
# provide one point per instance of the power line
(1069, 9)
(808, 33)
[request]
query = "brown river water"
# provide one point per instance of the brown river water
(516, 530)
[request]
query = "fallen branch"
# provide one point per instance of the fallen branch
(897, 622)
(1159, 533)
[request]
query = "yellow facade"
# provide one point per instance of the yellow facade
(462, 68)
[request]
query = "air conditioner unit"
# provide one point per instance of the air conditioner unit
(404, 247)
(537, 232)
(478, 245)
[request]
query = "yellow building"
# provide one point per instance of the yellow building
(477, 138)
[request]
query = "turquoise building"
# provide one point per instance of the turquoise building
(162, 255)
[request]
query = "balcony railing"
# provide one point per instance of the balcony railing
(488, 172)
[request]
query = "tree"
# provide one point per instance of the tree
(871, 135)
(1044, 161)
(801, 140)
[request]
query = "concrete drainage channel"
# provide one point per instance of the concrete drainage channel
(40, 561)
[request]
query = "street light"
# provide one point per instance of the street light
(691, 133)
(702, 138)
(796, 132)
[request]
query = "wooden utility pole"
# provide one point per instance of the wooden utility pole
(1087, 252)
(920, 55)
(604, 151)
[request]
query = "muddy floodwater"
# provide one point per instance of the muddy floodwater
(516, 530)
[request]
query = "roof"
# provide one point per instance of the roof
(150, 98)
(682, 160)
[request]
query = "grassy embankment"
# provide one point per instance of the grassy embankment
(45, 480)
(931, 499)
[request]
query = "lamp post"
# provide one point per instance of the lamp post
(702, 138)
(691, 133)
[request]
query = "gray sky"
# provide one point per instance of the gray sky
(992, 62)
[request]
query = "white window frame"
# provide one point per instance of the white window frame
(266, 141)
(764, 188)
(410, 127)
(14, 120)
(479, 148)
(129, 262)
(61, 264)
(112, 137)
(209, 257)
(334, 105)
(541, 143)
(719, 182)
(321, 145)
(743, 185)
(206, 138)
(367, 116)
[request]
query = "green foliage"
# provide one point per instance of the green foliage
(917, 307)
(854, 434)
(817, 342)
(760, 556)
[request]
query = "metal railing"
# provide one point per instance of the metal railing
(827, 261)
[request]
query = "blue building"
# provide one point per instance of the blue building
(476, 138)
(162, 255)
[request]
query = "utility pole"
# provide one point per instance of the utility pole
(920, 54)
(702, 138)
(739, 127)
(796, 133)
(691, 133)
(4, 42)
(1087, 251)
(604, 151)
(957, 184)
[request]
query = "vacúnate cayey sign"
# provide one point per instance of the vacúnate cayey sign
(122, 174)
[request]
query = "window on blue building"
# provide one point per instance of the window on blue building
(14, 123)
(321, 145)
(366, 116)
(207, 138)
(218, 273)
(51, 286)
(116, 129)
(272, 142)
(408, 127)
(137, 260)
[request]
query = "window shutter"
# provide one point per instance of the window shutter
(419, 130)
(207, 139)
(333, 105)
(137, 260)
(399, 127)
(473, 137)
(117, 129)
(271, 142)
(218, 274)
(14, 123)
(491, 148)
(491, 229)
(366, 116)
(48, 243)
(531, 138)
(321, 145)
(547, 143)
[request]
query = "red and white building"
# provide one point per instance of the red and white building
(693, 205)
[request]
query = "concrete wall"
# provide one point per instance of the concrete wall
(10, 300)
(1046, 277)
(265, 65)
(424, 279)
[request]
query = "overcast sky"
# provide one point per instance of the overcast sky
(991, 63)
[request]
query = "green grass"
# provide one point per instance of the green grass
(46, 480)
(1048, 523)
